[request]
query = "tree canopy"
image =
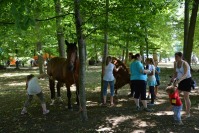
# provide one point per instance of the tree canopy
(129, 21)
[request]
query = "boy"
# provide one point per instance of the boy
(33, 88)
(176, 103)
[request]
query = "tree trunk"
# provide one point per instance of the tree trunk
(82, 57)
(39, 49)
(60, 33)
(191, 31)
(39, 40)
(127, 52)
(105, 47)
(186, 26)
(40, 57)
(147, 44)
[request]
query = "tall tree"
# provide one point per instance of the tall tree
(60, 33)
(186, 25)
(192, 26)
(105, 53)
(82, 57)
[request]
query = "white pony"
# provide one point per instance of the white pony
(194, 59)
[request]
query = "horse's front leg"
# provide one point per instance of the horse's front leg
(69, 96)
(52, 90)
(59, 85)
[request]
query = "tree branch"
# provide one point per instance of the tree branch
(7, 23)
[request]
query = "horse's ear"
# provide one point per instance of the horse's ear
(67, 43)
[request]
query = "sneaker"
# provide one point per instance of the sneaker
(147, 110)
(23, 112)
(46, 112)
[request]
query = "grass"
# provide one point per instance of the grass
(121, 118)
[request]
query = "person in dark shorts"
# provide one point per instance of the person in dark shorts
(138, 79)
(182, 74)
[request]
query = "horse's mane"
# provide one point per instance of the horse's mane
(118, 63)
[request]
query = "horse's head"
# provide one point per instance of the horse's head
(71, 55)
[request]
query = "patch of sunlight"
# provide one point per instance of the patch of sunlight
(98, 88)
(91, 103)
(166, 113)
(14, 74)
(195, 91)
(104, 129)
(16, 84)
(138, 131)
(122, 100)
(119, 105)
(117, 120)
(141, 123)
(161, 101)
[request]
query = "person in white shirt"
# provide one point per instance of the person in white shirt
(33, 88)
(108, 78)
(182, 74)
(151, 80)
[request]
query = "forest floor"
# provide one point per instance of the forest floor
(122, 118)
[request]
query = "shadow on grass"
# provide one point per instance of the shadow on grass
(121, 118)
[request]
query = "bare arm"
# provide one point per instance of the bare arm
(117, 69)
(145, 71)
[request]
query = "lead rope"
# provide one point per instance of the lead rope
(80, 107)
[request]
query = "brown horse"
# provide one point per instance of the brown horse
(122, 76)
(65, 71)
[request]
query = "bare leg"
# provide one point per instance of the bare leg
(104, 98)
(111, 99)
(137, 102)
(144, 102)
(187, 102)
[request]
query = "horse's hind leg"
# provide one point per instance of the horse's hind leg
(59, 85)
(52, 90)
